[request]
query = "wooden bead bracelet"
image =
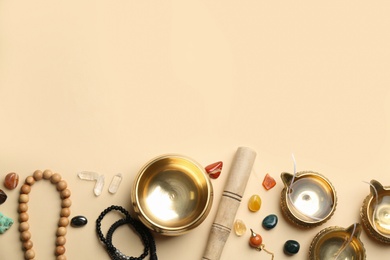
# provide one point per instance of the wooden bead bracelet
(25, 235)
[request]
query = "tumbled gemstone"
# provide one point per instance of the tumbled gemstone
(214, 170)
(78, 221)
(291, 247)
(239, 227)
(268, 182)
(5, 223)
(3, 196)
(270, 221)
(11, 180)
(115, 182)
(254, 203)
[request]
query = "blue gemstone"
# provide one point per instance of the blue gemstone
(291, 247)
(78, 221)
(270, 221)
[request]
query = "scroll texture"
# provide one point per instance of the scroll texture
(230, 201)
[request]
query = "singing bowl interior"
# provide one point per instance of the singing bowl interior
(332, 242)
(376, 215)
(172, 194)
(312, 199)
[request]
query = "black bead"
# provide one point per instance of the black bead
(3, 196)
(79, 221)
(291, 247)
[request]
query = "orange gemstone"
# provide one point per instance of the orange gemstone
(11, 180)
(268, 182)
(255, 240)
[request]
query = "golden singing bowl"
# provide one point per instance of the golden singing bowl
(172, 194)
(375, 212)
(308, 199)
(338, 243)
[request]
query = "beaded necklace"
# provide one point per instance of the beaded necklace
(63, 222)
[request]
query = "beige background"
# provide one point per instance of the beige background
(107, 85)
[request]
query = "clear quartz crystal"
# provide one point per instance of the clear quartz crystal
(115, 182)
(88, 175)
(99, 185)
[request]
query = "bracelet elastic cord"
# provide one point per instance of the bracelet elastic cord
(137, 226)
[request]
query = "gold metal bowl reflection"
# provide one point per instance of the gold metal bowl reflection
(375, 212)
(338, 243)
(308, 199)
(172, 194)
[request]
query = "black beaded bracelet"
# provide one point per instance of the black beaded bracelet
(144, 233)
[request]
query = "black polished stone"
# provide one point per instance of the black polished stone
(79, 221)
(3, 196)
(291, 247)
(270, 221)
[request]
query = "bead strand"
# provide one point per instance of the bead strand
(25, 235)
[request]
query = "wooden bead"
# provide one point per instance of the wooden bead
(25, 189)
(23, 207)
(27, 244)
(61, 257)
(65, 212)
(60, 250)
(23, 217)
(60, 241)
(65, 194)
(38, 175)
(29, 254)
(25, 235)
(66, 203)
(30, 180)
(24, 226)
(61, 231)
(23, 198)
(55, 178)
(63, 222)
(62, 185)
(47, 174)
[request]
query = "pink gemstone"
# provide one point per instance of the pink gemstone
(268, 182)
(214, 169)
(11, 180)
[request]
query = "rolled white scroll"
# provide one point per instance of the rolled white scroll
(230, 201)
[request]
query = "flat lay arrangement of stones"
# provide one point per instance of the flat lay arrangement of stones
(308, 199)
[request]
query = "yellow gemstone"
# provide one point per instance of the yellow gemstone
(239, 227)
(254, 203)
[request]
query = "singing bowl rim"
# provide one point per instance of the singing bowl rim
(159, 227)
(296, 220)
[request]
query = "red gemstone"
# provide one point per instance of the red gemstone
(11, 180)
(268, 182)
(214, 169)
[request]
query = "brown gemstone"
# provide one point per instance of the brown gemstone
(11, 180)
(3, 196)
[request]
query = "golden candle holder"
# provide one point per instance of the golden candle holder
(375, 212)
(308, 199)
(338, 243)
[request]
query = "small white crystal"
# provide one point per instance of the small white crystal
(115, 182)
(88, 175)
(99, 185)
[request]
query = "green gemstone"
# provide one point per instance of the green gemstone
(270, 221)
(291, 247)
(5, 223)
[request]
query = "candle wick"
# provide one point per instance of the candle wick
(344, 246)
